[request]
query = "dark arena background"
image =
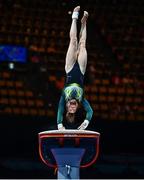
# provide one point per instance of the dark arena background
(34, 37)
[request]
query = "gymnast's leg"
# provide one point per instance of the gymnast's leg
(82, 52)
(71, 55)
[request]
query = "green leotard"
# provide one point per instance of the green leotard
(73, 91)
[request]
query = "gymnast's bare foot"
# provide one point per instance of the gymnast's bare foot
(75, 13)
(85, 17)
(76, 9)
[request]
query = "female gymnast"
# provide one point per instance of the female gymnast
(75, 67)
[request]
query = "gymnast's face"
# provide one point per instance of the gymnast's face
(72, 106)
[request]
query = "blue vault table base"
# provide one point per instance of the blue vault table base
(68, 162)
(68, 150)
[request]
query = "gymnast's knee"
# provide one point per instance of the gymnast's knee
(73, 41)
(82, 44)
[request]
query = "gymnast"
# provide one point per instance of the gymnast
(75, 66)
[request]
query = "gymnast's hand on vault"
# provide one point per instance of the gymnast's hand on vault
(84, 125)
(61, 127)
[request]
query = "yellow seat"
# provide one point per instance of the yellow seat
(52, 78)
(8, 110)
(12, 101)
(102, 98)
(20, 93)
(103, 89)
(30, 102)
(111, 98)
(22, 102)
(103, 107)
(2, 83)
(41, 112)
(6, 75)
(93, 97)
(33, 111)
(119, 98)
(16, 110)
(9, 84)
(105, 81)
(121, 90)
(97, 81)
(4, 100)
(39, 103)
(25, 111)
(12, 92)
(112, 90)
(29, 94)
(18, 84)
(3, 92)
(130, 91)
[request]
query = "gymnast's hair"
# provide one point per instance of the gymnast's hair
(70, 117)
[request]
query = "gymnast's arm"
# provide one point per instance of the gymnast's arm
(88, 109)
(60, 112)
(89, 114)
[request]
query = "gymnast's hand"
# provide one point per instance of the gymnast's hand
(61, 127)
(84, 125)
